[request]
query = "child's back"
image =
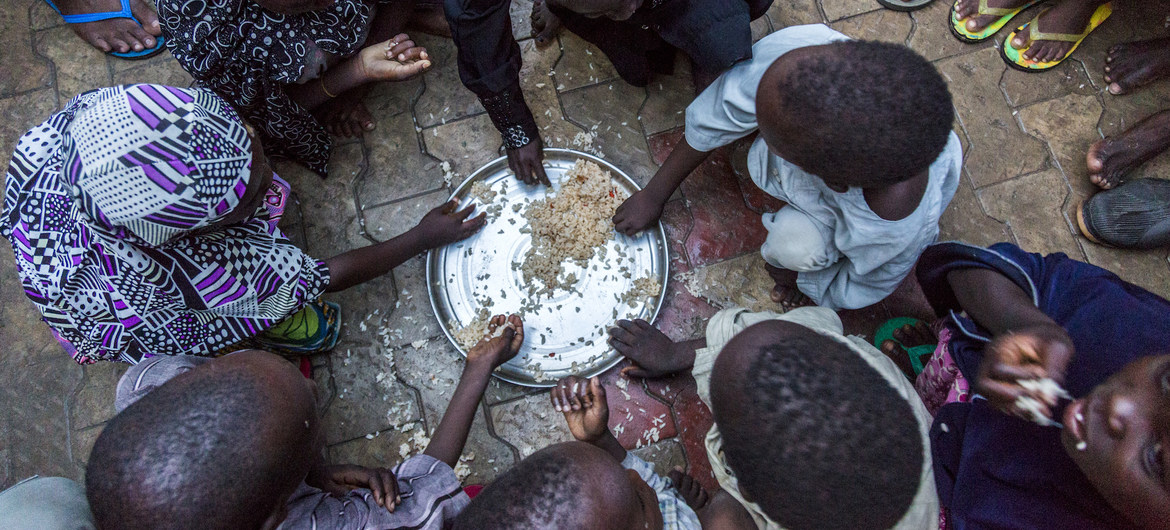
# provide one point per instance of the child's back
(854, 137)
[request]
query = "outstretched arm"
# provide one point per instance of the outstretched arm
(489, 66)
(396, 59)
(440, 226)
(643, 208)
(586, 410)
(652, 352)
(1026, 344)
(451, 435)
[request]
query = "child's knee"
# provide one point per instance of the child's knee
(795, 243)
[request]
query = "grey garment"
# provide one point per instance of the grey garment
(151, 373)
(431, 495)
(45, 503)
(869, 255)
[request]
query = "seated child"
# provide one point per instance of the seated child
(236, 441)
(1012, 316)
(854, 136)
(813, 429)
(567, 486)
(640, 38)
(144, 221)
(282, 64)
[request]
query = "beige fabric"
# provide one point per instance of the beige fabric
(923, 512)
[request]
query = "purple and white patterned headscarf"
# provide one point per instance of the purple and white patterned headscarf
(109, 206)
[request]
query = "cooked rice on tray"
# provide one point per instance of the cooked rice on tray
(570, 224)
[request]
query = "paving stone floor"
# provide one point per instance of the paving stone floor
(390, 378)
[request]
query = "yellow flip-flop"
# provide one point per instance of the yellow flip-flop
(1015, 58)
(1006, 14)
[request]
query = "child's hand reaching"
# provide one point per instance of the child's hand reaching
(397, 59)
(584, 406)
(443, 225)
(341, 479)
(505, 336)
(653, 353)
(1029, 355)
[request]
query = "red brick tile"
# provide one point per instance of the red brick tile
(676, 220)
(723, 224)
(694, 420)
(635, 417)
(683, 317)
(756, 199)
(663, 143)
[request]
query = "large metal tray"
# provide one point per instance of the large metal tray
(567, 334)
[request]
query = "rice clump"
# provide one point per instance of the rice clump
(571, 224)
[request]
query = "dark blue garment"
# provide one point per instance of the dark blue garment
(997, 471)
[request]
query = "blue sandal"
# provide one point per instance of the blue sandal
(160, 42)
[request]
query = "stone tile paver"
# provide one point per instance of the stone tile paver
(22, 69)
(1032, 206)
(999, 150)
(883, 25)
(387, 384)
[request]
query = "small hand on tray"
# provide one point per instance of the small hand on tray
(503, 340)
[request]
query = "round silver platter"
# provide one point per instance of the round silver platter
(567, 334)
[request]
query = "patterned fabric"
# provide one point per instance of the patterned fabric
(246, 54)
(676, 514)
(108, 206)
(941, 382)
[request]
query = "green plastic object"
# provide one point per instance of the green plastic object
(886, 332)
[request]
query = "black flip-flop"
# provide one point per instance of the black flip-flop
(898, 5)
(1133, 215)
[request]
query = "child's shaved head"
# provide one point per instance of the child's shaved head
(221, 446)
(815, 435)
(855, 113)
(568, 486)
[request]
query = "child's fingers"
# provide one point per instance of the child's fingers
(375, 485)
(449, 207)
(538, 171)
(464, 213)
(475, 223)
(642, 324)
(625, 349)
(1011, 373)
(621, 335)
(402, 47)
(596, 391)
(628, 325)
(411, 54)
(389, 488)
(676, 476)
(634, 370)
(555, 396)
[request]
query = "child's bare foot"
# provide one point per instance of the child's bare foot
(969, 10)
(908, 336)
(689, 489)
(346, 116)
(1066, 16)
(785, 291)
(544, 22)
(1132, 64)
(116, 34)
(1111, 159)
